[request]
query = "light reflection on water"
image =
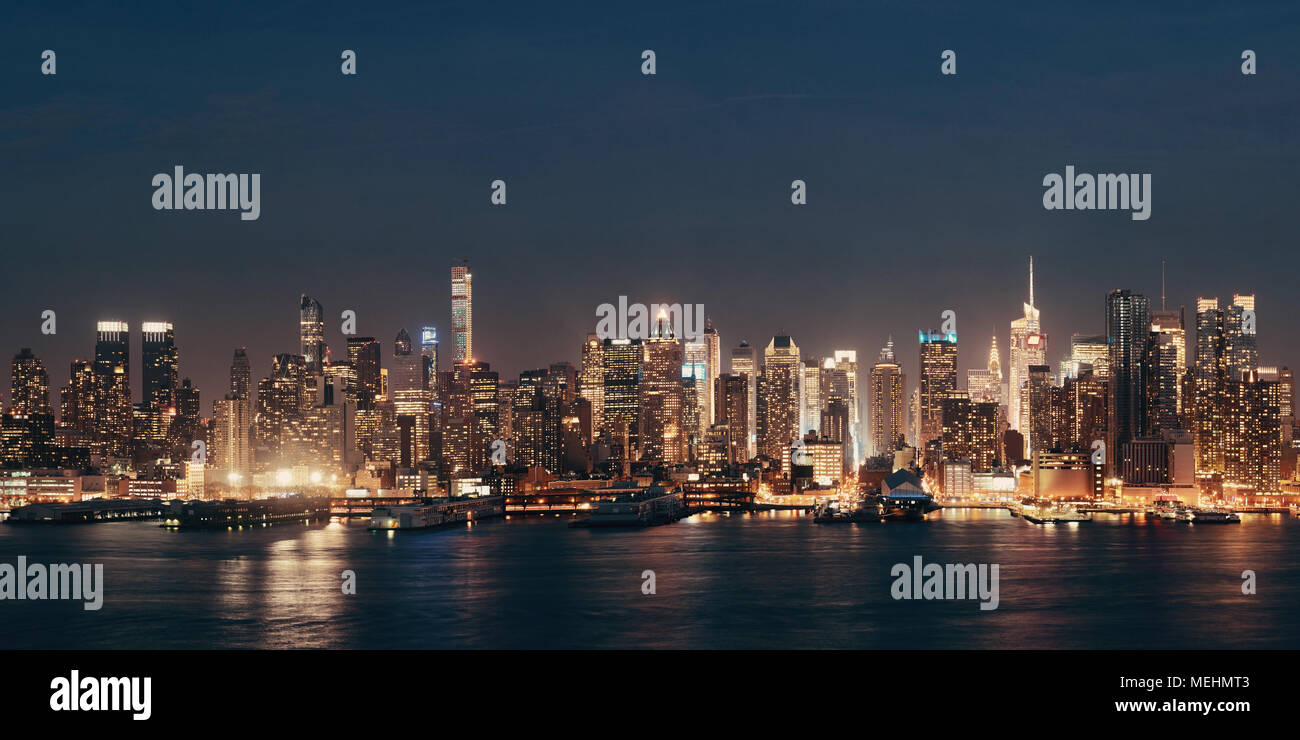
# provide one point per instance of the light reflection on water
(774, 579)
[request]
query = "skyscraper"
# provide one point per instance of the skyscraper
(241, 375)
(846, 362)
(888, 410)
(810, 398)
(591, 379)
(160, 363)
(660, 397)
(363, 357)
(779, 400)
(462, 313)
(409, 392)
(744, 362)
(732, 392)
(311, 331)
(112, 370)
(1028, 347)
(429, 352)
(938, 381)
(29, 385)
(1128, 317)
(621, 362)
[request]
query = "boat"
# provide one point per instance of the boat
(833, 511)
(436, 512)
(1167, 508)
(902, 507)
(1209, 516)
(1053, 514)
(641, 508)
(410, 516)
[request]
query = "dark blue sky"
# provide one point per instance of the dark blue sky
(924, 190)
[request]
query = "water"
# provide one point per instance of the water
(771, 580)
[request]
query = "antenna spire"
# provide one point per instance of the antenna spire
(1031, 280)
(1162, 285)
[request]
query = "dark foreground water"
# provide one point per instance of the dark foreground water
(773, 580)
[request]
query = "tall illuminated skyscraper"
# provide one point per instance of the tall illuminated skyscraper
(662, 436)
(744, 362)
(429, 352)
(938, 371)
(462, 314)
(1210, 375)
(591, 379)
(985, 384)
(695, 380)
(29, 385)
(241, 375)
(112, 368)
(846, 362)
(810, 396)
(888, 409)
(363, 357)
(409, 392)
(1028, 347)
(779, 400)
(311, 332)
(160, 363)
(1128, 316)
(621, 364)
(1240, 350)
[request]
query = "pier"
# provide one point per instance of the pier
(88, 512)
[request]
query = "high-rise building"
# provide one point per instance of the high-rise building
(1028, 347)
(938, 381)
(810, 397)
(241, 375)
(1241, 353)
(160, 365)
(846, 363)
(462, 314)
(591, 381)
(695, 384)
(886, 400)
(112, 368)
(744, 362)
(1092, 351)
(779, 400)
(231, 455)
(1168, 323)
(429, 353)
(1128, 317)
(1039, 385)
(282, 398)
(732, 393)
(29, 385)
(409, 393)
(311, 331)
(622, 360)
(970, 432)
(985, 384)
(1253, 434)
(662, 433)
(363, 358)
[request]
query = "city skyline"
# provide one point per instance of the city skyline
(969, 357)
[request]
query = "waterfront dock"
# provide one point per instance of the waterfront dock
(256, 513)
(87, 512)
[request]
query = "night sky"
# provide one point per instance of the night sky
(924, 191)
